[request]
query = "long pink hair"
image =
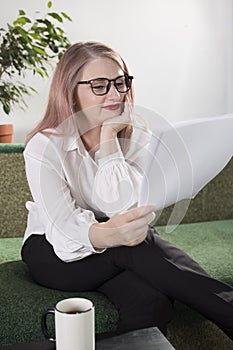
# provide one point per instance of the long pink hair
(63, 87)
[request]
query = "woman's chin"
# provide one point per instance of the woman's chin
(109, 114)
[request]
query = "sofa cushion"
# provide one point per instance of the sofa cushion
(23, 302)
(209, 243)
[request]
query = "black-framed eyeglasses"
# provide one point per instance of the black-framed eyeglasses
(101, 86)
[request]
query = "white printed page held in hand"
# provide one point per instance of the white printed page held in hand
(184, 157)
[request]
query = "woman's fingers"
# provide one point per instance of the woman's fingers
(135, 230)
(127, 228)
(119, 122)
(135, 213)
(137, 241)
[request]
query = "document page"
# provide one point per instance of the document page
(184, 157)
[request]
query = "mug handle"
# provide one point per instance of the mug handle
(44, 326)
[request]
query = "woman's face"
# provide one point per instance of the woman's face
(99, 108)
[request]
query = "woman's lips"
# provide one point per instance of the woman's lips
(112, 107)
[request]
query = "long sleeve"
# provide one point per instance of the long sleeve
(54, 211)
(118, 179)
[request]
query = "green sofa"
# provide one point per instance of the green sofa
(206, 233)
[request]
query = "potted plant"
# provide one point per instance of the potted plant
(28, 45)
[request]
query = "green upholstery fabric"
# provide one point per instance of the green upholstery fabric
(22, 301)
(209, 243)
(10, 249)
(11, 147)
(14, 193)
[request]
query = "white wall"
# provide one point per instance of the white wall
(180, 52)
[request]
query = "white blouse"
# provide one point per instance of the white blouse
(71, 190)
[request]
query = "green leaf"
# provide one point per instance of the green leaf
(53, 47)
(39, 50)
(22, 21)
(66, 16)
(41, 72)
(22, 12)
(23, 33)
(49, 4)
(34, 35)
(33, 90)
(56, 16)
(45, 22)
(6, 106)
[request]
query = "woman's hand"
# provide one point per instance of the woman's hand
(128, 228)
(109, 130)
(111, 127)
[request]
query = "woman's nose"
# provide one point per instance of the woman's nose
(113, 91)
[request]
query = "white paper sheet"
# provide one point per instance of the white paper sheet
(184, 157)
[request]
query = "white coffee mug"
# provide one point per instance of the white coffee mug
(74, 324)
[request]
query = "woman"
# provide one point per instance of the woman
(84, 164)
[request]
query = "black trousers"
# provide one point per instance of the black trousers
(141, 281)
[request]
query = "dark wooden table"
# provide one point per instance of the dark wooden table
(143, 339)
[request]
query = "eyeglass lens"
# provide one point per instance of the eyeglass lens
(101, 86)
